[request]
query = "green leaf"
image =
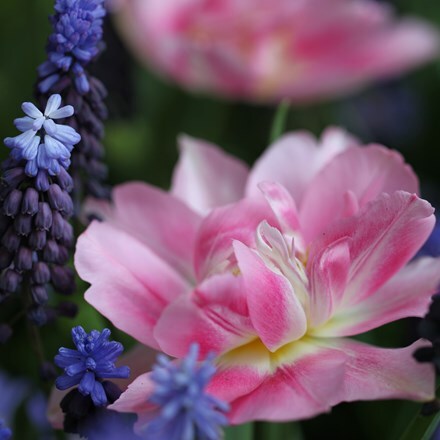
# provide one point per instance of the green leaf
(279, 121)
(421, 427)
(278, 431)
(241, 432)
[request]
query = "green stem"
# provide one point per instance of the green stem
(279, 121)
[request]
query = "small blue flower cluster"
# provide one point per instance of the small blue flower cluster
(92, 361)
(187, 411)
(77, 32)
(58, 140)
(5, 432)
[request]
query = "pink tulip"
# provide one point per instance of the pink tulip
(273, 269)
(267, 50)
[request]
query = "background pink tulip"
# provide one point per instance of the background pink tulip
(309, 247)
(267, 50)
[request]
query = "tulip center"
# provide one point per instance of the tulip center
(283, 257)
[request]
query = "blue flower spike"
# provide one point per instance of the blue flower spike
(75, 41)
(93, 360)
(187, 412)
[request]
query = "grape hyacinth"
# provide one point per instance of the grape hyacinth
(75, 42)
(187, 411)
(35, 206)
(88, 366)
(92, 361)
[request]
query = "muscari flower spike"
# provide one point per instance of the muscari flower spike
(35, 206)
(187, 412)
(77, 32)
(75, 42)
(91, 362)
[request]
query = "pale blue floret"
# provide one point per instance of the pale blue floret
(58, 140)
(187, 411)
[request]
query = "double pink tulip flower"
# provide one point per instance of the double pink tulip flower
(266, 50)
(273, 269)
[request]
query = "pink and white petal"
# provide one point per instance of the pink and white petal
(282, 204)
(304, 381)
(384, 236)
(215, 316)
(275, 311)
(130, 285)
(156, 218)
(237, 221)
(206, 177)
(373, 373)
(360, 173)
(328, 275)
(135, 398)
(407, 294)
(295, 158)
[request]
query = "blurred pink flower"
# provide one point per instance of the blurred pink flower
(273, 269)
(267, 50)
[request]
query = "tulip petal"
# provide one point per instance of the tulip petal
(299, 381)
(384, 236)
(282, 204)
(275, 311)
(295, 158)
(406, 294)
(206, 177)
(328, 278)
(130, 285)
(373, 373)
(215, 316)
(159, 220)
(361, 174)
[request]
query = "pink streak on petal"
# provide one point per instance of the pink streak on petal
(130, 285)
(215, 316)
(362, 172)
(385, 235)
(328, 275)
(159, 220)
(237, 221)
(275, 311)
(206, 177)
(406, 294)
(295, 158)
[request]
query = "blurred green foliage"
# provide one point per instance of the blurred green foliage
(141, 144)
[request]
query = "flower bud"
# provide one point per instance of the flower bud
(29, 205)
